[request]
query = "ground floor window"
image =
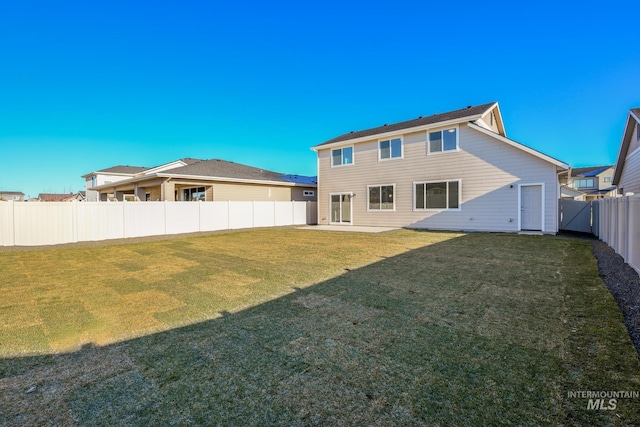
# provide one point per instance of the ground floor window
(437, 195)
(381, 197)
(194, 194)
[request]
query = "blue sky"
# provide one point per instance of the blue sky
(89, 85)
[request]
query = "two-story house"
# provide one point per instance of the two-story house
(593, 182)
(452, 171)
(627, 172)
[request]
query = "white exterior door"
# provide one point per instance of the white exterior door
(340, 208)
(531, 207)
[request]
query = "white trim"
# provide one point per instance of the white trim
(542, 205)
(519, 146)
(380, 159)
(143, 178)
(380, 186)
(458, 209)
(443, 151)
(399, 132)
(350, 194)
(353, 156)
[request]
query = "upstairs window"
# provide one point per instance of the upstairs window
(443, 140)
(583, 183)
(342, 156)
(607, 179)
(437, 195)
(390, 149)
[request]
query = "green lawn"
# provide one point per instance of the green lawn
(296, 327)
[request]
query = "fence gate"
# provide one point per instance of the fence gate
(575, 216)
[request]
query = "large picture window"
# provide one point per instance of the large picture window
(437, 195)
(342, 156)
(443, 140)
(381, 198)
(390, 149)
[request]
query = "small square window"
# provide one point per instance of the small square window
(309, 193)
(342, 156)
(443, 140)
(390, 149)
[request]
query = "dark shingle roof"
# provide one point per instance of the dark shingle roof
(224, 169)
(301, 179)
(636, 111)
(420, 121)
(590, 171)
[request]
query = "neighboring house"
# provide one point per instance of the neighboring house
(451, 171)
(593, 182)
(627, 172)
(567, 192)
(16, 196)
(192, 180)
(56, 197)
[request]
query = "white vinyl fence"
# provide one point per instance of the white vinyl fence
(619, 226)
(50, 223)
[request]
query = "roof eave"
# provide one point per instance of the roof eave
(396, 132)
(624, 147)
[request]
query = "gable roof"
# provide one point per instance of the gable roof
(217, 168)
(123, 169)
(632, 119)
(464, 114)
(589, 171)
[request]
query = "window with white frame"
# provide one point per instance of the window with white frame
(390, 149)
(583, 183)
(443, 140)
(436, 195)
(607, 179)
(342, 156)
(380, 197)
(308, 193)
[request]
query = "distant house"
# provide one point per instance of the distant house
(593, 182)
(627, 171)
(192, 180)
(56, 197)
(16, 196)
(453, 171)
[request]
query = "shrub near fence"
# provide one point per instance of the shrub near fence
(34, 224)
(619, 227)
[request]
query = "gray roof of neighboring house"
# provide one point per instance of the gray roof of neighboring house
(225, 169)
(15, 193)
(420, 121)
(590, 171)
(123, 169)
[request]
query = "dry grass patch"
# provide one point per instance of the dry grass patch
(401, 328)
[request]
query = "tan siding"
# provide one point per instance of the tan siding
(486, 166)
(630, 177)
(249, 192)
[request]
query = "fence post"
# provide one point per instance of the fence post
(12, 213)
